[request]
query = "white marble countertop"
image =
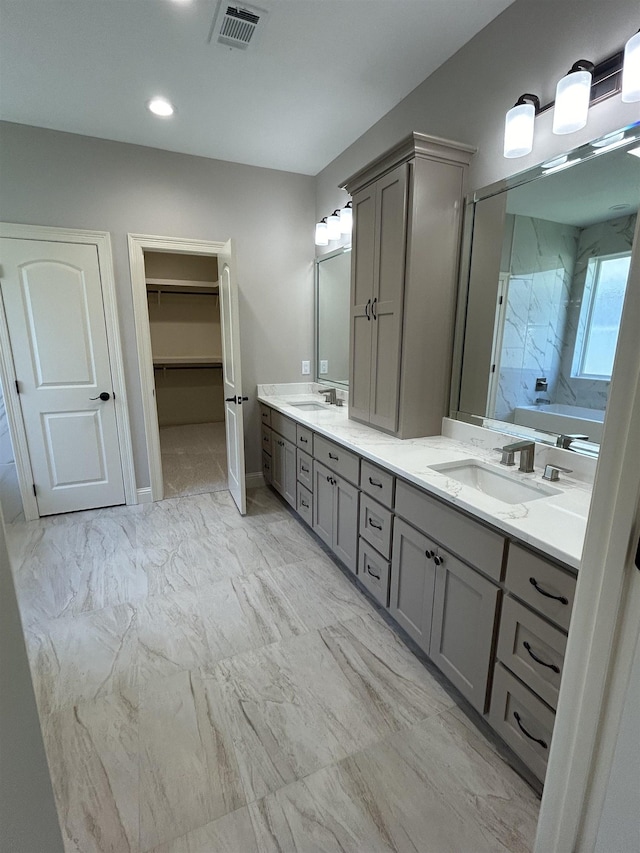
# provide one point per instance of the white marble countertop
(555, 525)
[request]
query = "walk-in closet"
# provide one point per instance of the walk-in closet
(184, 320)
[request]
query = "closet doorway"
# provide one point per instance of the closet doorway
(185, 305)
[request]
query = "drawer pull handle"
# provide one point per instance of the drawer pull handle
(331, 456)
(373, 574)
(306, 506)
(306, 470)
(304, 440)
(438, 560)
(538, 660)
(560, 598)
(542, 743)
(374, 525)
(375, 483)
(366, 309)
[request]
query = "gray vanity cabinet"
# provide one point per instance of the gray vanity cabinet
(406, 209)
(465, 608)
(283, 468)
(335, 514)
(412, 582)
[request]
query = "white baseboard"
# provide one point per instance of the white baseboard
(255, 481)
(144, 495)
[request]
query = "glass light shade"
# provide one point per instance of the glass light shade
(518, 130)
(346, 221)
(572, 102)
(631, 70)
(322, 238)
(161, 107)
(333, 226)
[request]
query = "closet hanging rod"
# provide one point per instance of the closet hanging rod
(182, 290)
(187, 367)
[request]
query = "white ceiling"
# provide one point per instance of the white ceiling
(322, 71)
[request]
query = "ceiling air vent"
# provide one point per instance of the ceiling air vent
(236, 26)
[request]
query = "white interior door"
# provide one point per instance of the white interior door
(232, 376)
(52, 295)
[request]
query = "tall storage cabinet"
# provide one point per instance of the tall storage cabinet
(407, 209)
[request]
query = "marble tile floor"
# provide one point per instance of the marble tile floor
(208, 682)
(194, 459)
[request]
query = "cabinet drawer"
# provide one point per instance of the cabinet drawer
(375, 525)
(305, 469)
(265, 414)
(304, 438)
(479, 546)
(266, 467)
(341, 461)
(377, 482)
(304, 504)
(374, 572)
(266, 440)
(522, 720)
(283, 425)
(532, 649)
(543, 585)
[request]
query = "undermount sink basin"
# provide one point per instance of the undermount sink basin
(309, 407)
(494, 483)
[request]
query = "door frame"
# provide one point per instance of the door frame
(138, 243)
(102, 241)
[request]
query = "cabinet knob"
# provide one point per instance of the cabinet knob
(430, 554)
(438, 560)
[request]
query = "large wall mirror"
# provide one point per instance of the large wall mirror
(547, 270)
(333, 278)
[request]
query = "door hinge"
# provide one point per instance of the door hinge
(17, 386)
(34, 490)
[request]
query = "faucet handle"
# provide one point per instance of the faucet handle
(508, 456)
(552, 472)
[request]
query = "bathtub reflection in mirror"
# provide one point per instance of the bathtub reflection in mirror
(548, 271)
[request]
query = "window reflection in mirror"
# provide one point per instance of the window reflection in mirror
(549, 266)
(333, 277)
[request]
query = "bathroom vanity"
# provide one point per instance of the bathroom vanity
(483, 584)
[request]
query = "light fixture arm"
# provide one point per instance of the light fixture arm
(527, 98)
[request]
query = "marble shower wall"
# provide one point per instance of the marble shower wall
(603, 238)
(541, 269)
(10, 499)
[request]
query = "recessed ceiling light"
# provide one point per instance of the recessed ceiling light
(161, 107)
(634, 151)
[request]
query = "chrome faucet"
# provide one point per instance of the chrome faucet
(527, 454)
(330, 395)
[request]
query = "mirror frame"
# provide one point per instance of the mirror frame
(341, 250)
(581, 154)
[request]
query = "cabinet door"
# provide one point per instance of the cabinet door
(362, 263)
(386, 310)
(323, 503)
(277, 464)
(412, 582)
(464, 619)
(290, 474)
(345, 523)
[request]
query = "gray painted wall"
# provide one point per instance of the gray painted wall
(65, 180)
(28, 820)
(527, 48)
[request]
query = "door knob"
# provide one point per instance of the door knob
(230, 399)
(104, 396)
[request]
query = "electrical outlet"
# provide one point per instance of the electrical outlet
(306, 368)
(324, 366)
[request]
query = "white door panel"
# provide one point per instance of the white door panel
(52, 295)
(232, 374)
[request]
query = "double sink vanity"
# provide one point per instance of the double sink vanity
(476, 561)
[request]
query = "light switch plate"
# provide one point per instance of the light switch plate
(324, 365)
(306, 368)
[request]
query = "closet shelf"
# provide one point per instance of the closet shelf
(174, 285)
(172, 361)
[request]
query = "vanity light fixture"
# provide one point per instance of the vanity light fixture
(333, 226)
(160, 107)
(634, 151)
(346, 219)
(518, 126)
(572, 98)
(322, 237)
(631, 70)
